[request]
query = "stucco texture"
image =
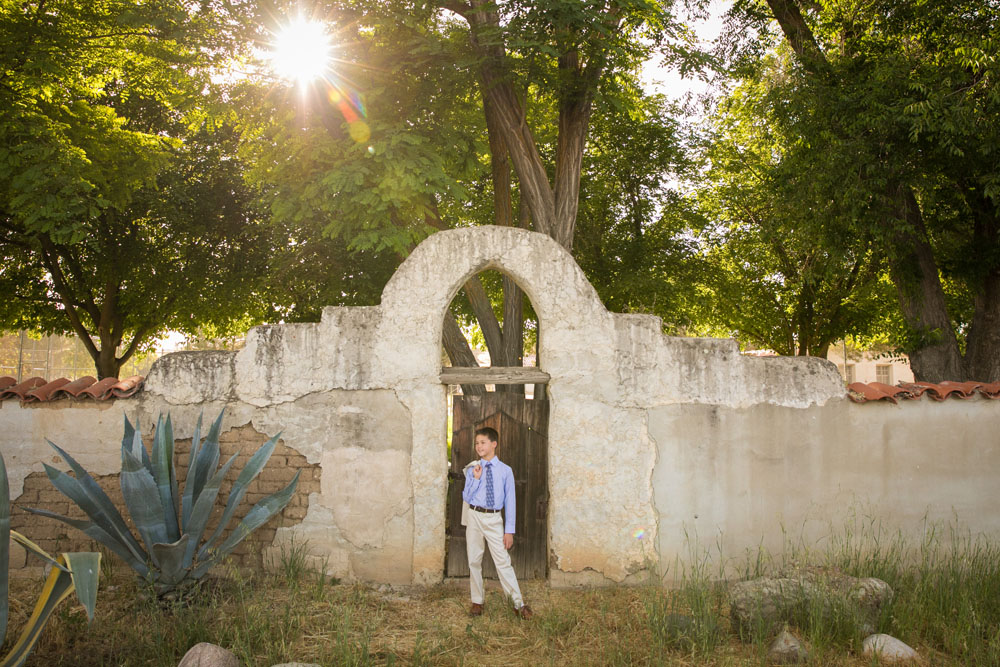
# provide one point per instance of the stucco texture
(650, 437)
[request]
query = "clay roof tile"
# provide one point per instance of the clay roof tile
(20, 390)
(127, 387)
(100, 390)
(74, 388)
(859, 392)
(45, 392)
(7, 381)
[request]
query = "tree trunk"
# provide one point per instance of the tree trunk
(934, 356)
(459, 352)
(798, 34)
(982, 346)
(108, 366)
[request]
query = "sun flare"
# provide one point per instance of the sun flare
(301, 51)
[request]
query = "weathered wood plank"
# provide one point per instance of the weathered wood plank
(523, 425)
(493, 375)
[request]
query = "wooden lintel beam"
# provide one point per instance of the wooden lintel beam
(493, 375)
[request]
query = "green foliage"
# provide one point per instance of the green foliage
(171, 522)
(79, 572)
(884, 137)
(792, 268)
(123, 201)
(632, 236)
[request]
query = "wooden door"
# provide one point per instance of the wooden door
(523, 428)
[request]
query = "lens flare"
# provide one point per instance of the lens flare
(301, 51)
(639, 533)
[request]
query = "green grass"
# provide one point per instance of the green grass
(946, 605)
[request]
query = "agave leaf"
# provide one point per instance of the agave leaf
(203, 509)
(129, 439)
(163, 474)
(4, 547)
(129, 433)
(175, 496)
(34, 549)
(58, 586)
(208, 457)
(143, 501)
(171, 560)
(187, 501)
(247, 475)
(98, 534)
(92, 499)
(85, 569)
(258, 515)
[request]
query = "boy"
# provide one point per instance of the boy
(489, 487)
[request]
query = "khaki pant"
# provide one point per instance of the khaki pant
(488, 529)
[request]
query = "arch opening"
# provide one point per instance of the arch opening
(490, 325)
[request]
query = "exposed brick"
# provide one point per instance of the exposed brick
(56, 537)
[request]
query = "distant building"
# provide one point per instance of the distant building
(870, 366)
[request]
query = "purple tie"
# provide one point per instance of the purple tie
(489, 486)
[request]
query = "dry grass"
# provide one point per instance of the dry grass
(268, 619)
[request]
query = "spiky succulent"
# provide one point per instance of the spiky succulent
(70, 572)
(171, 523)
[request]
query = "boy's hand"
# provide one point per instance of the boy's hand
(477, 471)
(508, 540)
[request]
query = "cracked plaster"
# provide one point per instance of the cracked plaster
(645, 434)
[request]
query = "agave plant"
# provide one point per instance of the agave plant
(171, 523)
(70, 572)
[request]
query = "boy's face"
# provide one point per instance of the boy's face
(485, 448)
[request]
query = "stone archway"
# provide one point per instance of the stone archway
(578, 335)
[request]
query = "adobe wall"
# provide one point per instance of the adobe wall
(649, 436)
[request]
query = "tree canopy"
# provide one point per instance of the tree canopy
(890, 109)
(124, 211)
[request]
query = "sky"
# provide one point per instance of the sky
(668, 81)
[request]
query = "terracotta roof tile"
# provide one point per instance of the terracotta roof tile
(38, 390)
(74, 388)
(20, 390)
(860, 392)
(128, 387)
(45, 391)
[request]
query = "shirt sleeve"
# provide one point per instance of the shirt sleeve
(509, 502)
(471, 486)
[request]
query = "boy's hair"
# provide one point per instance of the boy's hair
(490, 433)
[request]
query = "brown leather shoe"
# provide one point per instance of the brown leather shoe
(476, 609)
(524, 613)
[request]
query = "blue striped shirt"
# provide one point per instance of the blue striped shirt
(503, 490)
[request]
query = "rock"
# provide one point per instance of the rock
(786, 649)
(208, 655)
(763, 605)
(888, 648)
(678, 630)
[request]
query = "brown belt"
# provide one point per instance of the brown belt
(483, 510)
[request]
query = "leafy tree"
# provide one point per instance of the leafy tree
(123, 209)
(790, 269)
(905, 93)
(477, 113)
(632, 236)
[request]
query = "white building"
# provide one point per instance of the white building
(870, 366)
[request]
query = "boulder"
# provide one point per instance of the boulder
(765, 604)
(786, 649)
(208, 655)
(888, 648)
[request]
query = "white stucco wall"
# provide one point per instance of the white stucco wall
(649, 435)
